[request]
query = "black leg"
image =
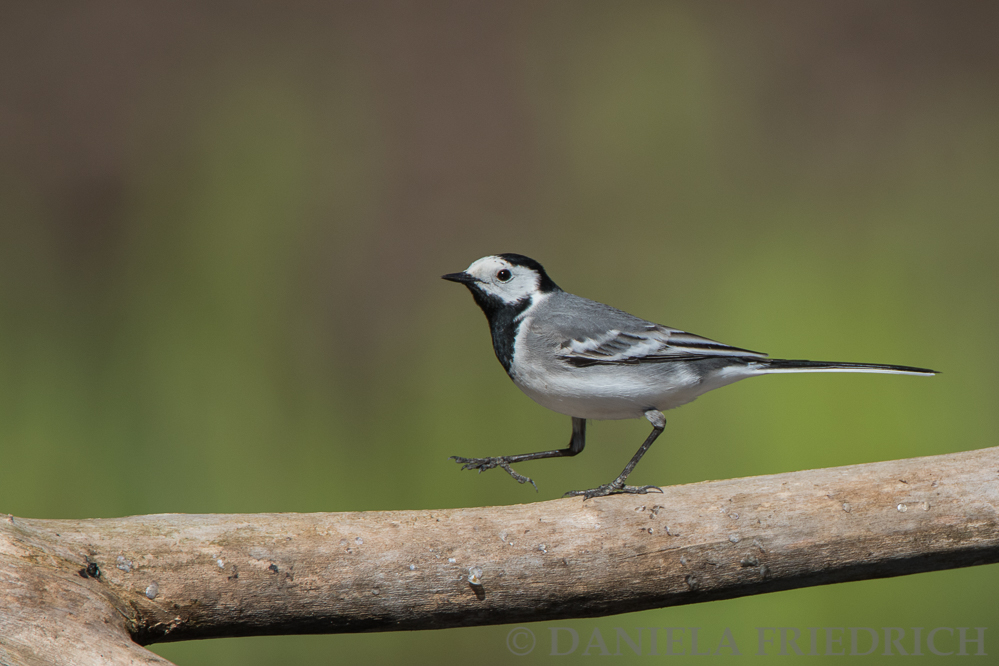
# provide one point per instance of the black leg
(576, 445)
(617, 486)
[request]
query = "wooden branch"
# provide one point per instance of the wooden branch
(104, 587)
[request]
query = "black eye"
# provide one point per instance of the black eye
(504, 275)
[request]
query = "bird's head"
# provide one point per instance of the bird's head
(504, 279)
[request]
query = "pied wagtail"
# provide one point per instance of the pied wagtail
(591, 361)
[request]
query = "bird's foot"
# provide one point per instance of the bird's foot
(482, 464)
(613, 489)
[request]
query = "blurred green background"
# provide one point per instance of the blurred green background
(222, 227)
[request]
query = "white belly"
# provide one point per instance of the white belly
(607, 392)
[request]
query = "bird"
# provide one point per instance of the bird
(591, 361)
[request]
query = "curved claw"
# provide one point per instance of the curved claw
(482, 464)
(611, 489)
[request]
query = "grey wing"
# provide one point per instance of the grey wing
(610, 337)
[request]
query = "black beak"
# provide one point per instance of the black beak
(462, 277)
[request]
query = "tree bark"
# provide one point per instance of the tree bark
(93, 591)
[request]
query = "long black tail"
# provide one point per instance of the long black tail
(786, 365)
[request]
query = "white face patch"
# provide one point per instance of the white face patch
(500, 278)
